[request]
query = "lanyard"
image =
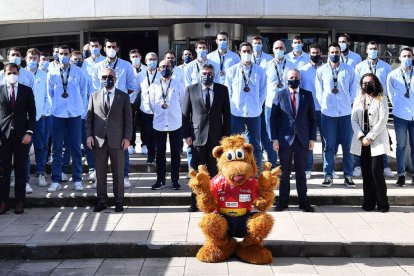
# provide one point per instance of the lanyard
(138, 69)
(407, 84)
(344, 59)
(116, 62)
(201, 64)
(153, 78)
(222, 59)
(257, 59)
(280, 75)
(246, 80)
(335, 73)
(370, 65)
(164, 95)
(64, 82)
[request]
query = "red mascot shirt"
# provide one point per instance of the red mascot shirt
(233, 200)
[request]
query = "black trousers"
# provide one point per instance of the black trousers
(375, 189)
(161, 145)
(13, 147)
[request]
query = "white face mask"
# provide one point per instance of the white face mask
(245, 57)
(12, 78)
(111, 53)
(343, 46)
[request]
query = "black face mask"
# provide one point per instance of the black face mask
(293, 83)
(109, 83)
(369, 89)
(315, 59)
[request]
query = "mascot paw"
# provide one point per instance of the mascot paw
(213, 253)
(254, 254)
(199, 180)
(269, 178)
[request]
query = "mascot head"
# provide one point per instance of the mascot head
(235, 159)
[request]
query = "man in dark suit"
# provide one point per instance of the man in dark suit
(109, 131)
(293, 130)
(18, 119)
(207, 117)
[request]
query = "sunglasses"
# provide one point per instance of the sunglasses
(107, 77)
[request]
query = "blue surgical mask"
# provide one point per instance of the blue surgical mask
(187, 59)
(373, 54)
(406, 62)
(334, 58)
(31, 64)
(297, 47)
(136, 61)
(63, 59)
(152, 64)
(96, 51)
(257, 48)
(202, 53)
(86, 54)
(279, 54)
(222, 44)
(166, 73)
(44, 65)
(15, 59)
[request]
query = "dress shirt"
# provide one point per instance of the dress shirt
(124, 71)
(211, 93)
(152, 77)
(16, 85)
(140, 75)
(73, 105)
(178, 74)
(307, 81)
(54, 66)
(351, 59)
(339, 104)
(168, 119)
(298, 61)
(296, 98)
(111, 96)
(261, 59)
(25, 77)
(272, 79)
(193, 75)
(246, 104)
(42, 99)
(230, 59)
(403, 107)
(88, 66)
(381, 69)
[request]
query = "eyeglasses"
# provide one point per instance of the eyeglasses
(105, 77)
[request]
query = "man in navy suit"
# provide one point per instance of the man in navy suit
(293, 130)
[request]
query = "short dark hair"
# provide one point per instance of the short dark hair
(298, 37)
(94, 39)
(11, 65)
(134, 51)
(64, 47)
(55, 46)
(334, 44)
(406, 49)
(14, 49)
(209, 66)
(187, 49)
(315, 46)
(111, 40)
(199, 42)
(372, 42)
(346, 36)
(170, 52)
(222, 33)
(44, 54)
(245, 43)
(257, 37)
(75, 53)
(33, 51)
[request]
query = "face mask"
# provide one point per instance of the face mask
(63, 59)
(136, 62)
(257, 48)
(152, 64)
(315, 59)
(293, 83)
(56, 57)
(79, 63)
(86, 54)
(406, 62)
(187, 59)
(109, 83)
(166, 73)
(202, 54)
(207, 80)
(16, 60)
(12, 78)
(279, 54)
(96, 51)
(32, 64)
(369, 89)
(172, 62)
(343, 46)
(334, 58)
(222, 44)
(111, 53)
(373, 54)
(44, 65)
(297, 47)
(246, 57)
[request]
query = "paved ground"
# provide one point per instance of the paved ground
(191, 266)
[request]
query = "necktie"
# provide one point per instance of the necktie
(107, 103)
(12, 98)
(208, 105)
(294, 102)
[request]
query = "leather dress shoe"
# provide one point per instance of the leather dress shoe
(99, 207)
(119, 207)
(3, 208)
(280, 207)
(19, 209)
(307, 208)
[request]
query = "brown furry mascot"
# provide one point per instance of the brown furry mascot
(227, 200)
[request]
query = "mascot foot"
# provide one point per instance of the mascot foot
(213, 253)
(254, 254)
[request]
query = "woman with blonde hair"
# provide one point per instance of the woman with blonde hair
(370, 140)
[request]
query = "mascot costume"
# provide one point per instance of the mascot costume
(228, 198)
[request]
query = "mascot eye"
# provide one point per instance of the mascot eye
(240, 154)
(230, 155)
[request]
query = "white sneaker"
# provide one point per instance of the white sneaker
(54, 187)
(92, 176)
(41, 181)
(64, 177)
(127, 184)
(29, 189)
(388, 172)
(12, 179)
(308, 174)
(131, 150)
(357, 172)
(144, 149)
(93, 185)
(78, 186)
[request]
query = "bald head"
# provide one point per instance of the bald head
(279, 49)
(108, 72)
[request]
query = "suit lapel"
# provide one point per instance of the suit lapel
(100, 101)
(301, 101)
(3, 96)
(289, 101)
(114, 102)
(200, 93)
